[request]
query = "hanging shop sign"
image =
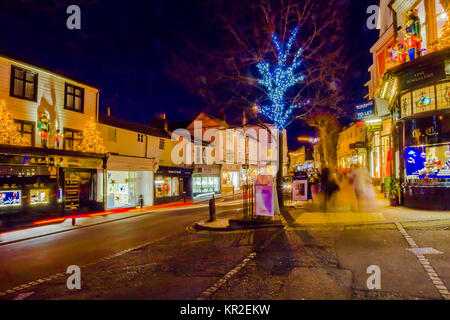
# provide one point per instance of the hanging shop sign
(357, 145)
(264, 196)
(374, 125)
(72, 190)
(365, 110)
(422, 76)
(300, 190)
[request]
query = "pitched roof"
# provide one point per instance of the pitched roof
(38, 65)
(132, 126)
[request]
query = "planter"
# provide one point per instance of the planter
(386, 195)
(394, 202)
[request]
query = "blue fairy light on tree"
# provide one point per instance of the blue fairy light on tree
(278, 79)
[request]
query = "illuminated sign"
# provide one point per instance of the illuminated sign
(374, 125)
(364, 111)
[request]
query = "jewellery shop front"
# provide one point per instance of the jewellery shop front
(34, 184)
(422, 131)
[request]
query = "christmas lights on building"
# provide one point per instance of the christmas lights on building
(92, 138)
(8, 128)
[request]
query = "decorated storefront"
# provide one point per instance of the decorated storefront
(31, 183)
(129, 181)
(172, 184)
(420, 104)
(231, 181)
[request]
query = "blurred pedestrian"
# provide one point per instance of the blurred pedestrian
(362, 185)
(328, 187)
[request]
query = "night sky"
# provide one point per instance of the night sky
(122, 48)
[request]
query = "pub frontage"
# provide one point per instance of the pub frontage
(419, 96)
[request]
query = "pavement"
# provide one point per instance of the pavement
(345, 211)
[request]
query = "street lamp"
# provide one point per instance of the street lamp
(311, 140)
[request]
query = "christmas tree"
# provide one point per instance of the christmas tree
(8, 129)
(92, 138)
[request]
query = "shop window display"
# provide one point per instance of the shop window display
(167, 187)
(121, 189)
(206, 185)
(428, 162)
(39, 196)
(10, 198)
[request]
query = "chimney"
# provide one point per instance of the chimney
(165, 123)
(108, 111)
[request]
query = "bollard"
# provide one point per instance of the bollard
(141, 201)
(73, 216)
(212, 209)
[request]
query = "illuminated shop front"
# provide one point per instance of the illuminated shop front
(172, 184)
(231, 181)
(37, 184)
(121, 189)
(206, 180)
(129, 180)
(420, 102)
(425, 159)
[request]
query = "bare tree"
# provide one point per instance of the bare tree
(328, 128)
(222, 69)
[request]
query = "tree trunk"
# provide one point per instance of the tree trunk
(280, 171)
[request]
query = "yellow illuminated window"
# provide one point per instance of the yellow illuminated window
(39, 196)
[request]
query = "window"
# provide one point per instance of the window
(424, 100)
(161, 144)
(441, 18)
(112, 134)
(443, 95)
(140, 137)
(74, 98)
(26, 129)
(39, 196)
(23, 84)
(72, 139)
(406, 104)
(422, 16)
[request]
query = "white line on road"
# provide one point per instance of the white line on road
(58, 275)
(432, 274)
(211, 290)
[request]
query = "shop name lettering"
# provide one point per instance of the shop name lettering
(420, 76)
(52, 162)
(417, 133)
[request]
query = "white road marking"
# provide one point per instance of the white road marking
(432, 274)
